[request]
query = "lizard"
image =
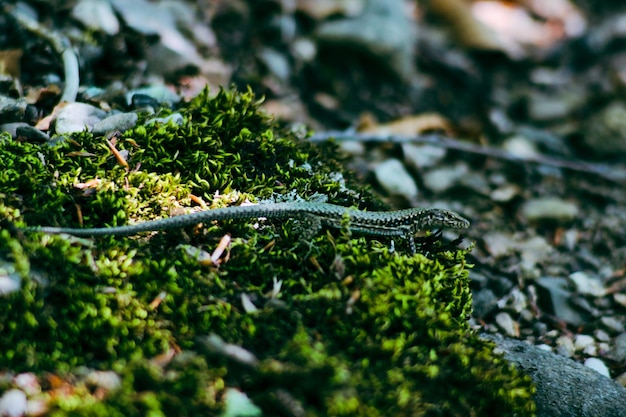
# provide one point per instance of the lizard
(402, 223)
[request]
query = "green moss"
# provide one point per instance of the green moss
(354, 330)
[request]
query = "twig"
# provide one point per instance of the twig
(59, 43)
(605, 171)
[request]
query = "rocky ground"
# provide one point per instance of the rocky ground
(510, 114)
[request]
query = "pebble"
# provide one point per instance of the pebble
(521, 147)
(118, 122)
(540, 328)
(554, 298)
(16, 110)
(175, 118)
(76, 117)
(11, 128)
(621, 379)
(598, 366)
(565, 346)
(395, 180)
(507, 324)
(587, 285)
(96, 15)
(158, 92)
(549, 209)
(483, 302)
(32, 134)
(620, 299)
(441, 179)
(605, 132)
(582, 341)
(382, 29)
(612, 325)
(422, 156)
(618, 348)
(13, 403)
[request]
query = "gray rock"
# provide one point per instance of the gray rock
(97, 15)
(16, 110)
(507, 324)
(118, 122)
(11, 128)
(582, 341)
(598, 366)
(483, 302)
(13, 403)
(554, 299)
(612, 325)
(441, 179)
(587, 285)
(605, 132)
(383, 30)
(565, 346)
(549, 209)
(618, 348)
(422, 156)
(175, 118)
(32, 134)
(76, 117)
(564, 388)
(159, 92)
(395, 179)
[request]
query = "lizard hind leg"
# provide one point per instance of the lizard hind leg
(308, 226)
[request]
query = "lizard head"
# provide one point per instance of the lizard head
(439, 219)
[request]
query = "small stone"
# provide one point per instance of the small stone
(108, 380)
(118, 122)
(32, 134)
(612, 325)
(395, 180)
(422, 156)
(484, 302)
(549, 209)
(605, 132)
(441, 179)
(11, 128)
(96, 15)
(76, 117)
(618, 348)
(540, 329)
(13, 403)
(591, 350)
(158, 92)
(581, 341)
(587, 285)
(174, 118)
(276, 62)
(505, 193)
(598, 366)
(521, 147)
(352, 147)
(507, 324)
(565, 346)
(601, 335)
(545, 347)
(555, 299)
(621, 379)
(620, 299)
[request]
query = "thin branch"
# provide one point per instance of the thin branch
(605, 171)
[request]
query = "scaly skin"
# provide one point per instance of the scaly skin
(405, 223)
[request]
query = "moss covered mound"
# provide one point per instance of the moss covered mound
(271, 326)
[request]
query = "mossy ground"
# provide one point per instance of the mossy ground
(353, 329)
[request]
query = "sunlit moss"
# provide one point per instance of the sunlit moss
(338, 326)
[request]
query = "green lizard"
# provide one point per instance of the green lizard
(403, 223)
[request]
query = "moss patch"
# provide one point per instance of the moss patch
(339, 326)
